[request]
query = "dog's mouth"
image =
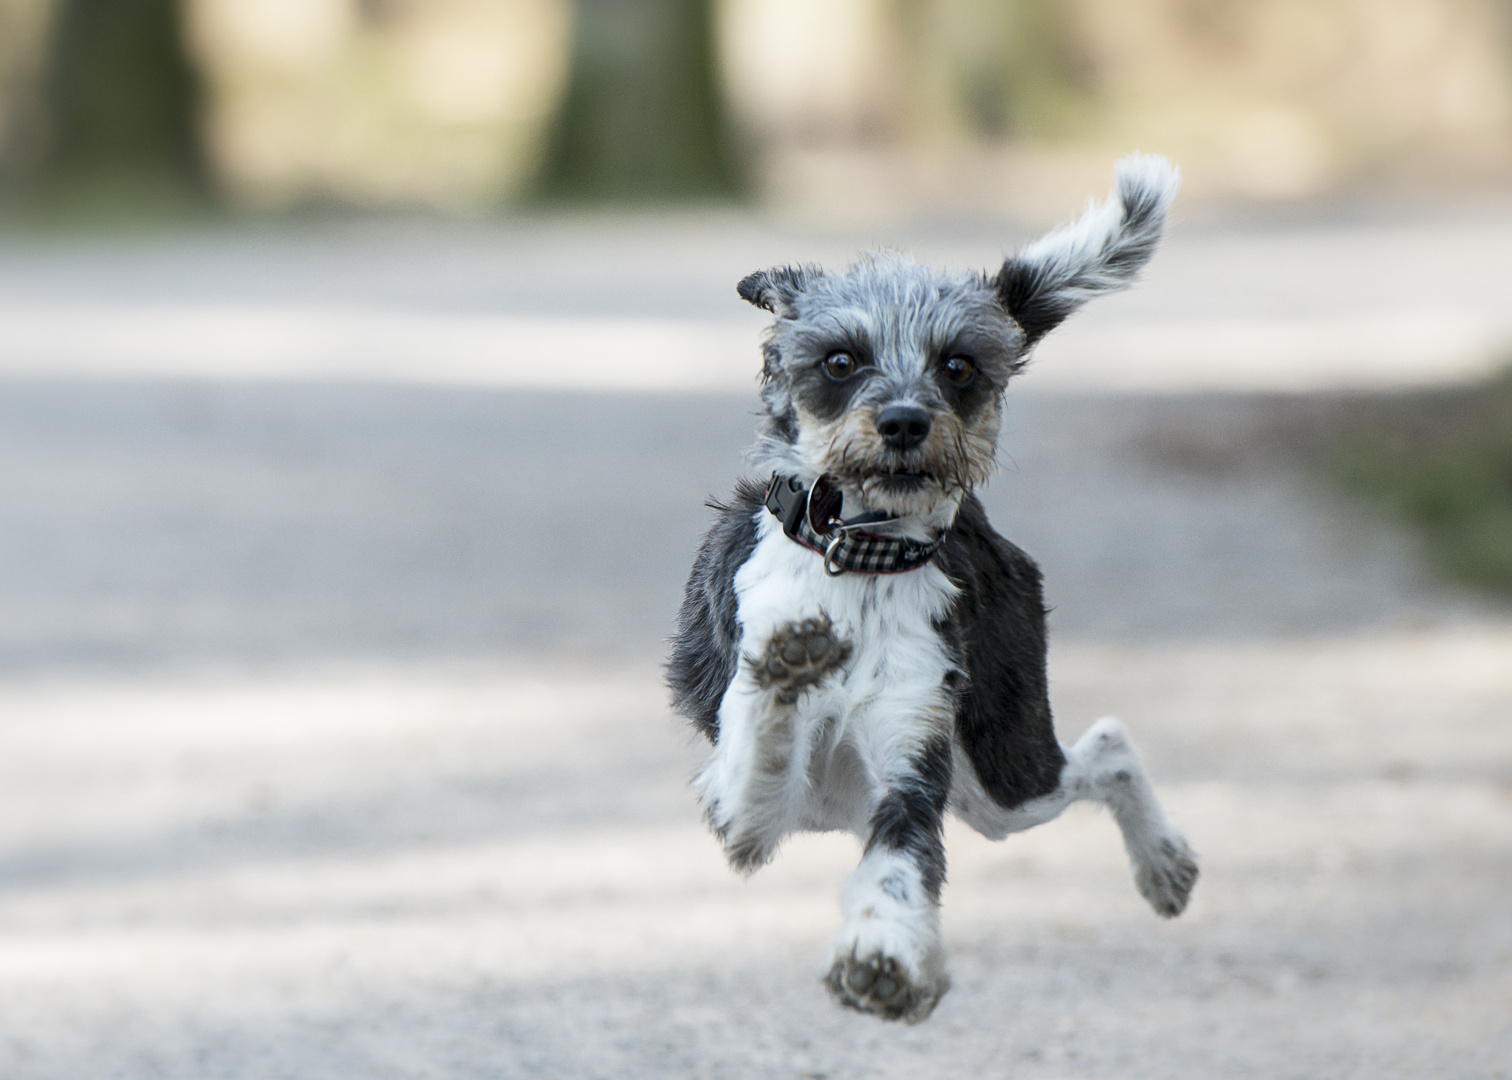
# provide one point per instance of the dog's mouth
(897, 490)
(900, 482)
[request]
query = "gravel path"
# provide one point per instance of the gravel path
(470, 872)
(332, 744)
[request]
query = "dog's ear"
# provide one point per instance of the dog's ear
(776, 289)
(1102, 252)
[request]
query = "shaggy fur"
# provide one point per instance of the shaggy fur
(875, 702)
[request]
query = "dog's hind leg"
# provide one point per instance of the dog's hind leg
(752, 785)
(1103, 766)
(890, 955)
(1105, 761)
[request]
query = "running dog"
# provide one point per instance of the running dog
(861, 648)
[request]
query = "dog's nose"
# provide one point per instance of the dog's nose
(903, 426)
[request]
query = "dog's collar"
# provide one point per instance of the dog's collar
(811, 516)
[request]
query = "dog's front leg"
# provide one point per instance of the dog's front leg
(890, 955)
(751, 787)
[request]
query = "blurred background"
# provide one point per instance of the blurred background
(365, 366)
(849, 107)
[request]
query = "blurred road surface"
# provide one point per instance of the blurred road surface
(332, 742)
(182, 525)
(1363, 301)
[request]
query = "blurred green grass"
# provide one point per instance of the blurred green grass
(1441, 461)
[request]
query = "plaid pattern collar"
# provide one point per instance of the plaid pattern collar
(845, 545)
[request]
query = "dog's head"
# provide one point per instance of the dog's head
(889, 376)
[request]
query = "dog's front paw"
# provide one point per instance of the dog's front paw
(798, 655)
(880, 985)
(1166, 874)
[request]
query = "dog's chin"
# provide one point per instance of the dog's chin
(900, 492)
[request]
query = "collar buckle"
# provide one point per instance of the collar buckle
(787, 499)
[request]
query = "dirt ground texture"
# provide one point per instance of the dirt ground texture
(333, 744)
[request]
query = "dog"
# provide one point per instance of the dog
(861, 648)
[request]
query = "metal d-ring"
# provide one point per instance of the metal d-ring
(829, 556)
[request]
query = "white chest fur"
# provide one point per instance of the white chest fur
(861, 726)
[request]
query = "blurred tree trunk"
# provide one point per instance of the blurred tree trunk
(120, 96)
(643, 117)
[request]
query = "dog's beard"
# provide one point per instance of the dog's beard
(949, 463)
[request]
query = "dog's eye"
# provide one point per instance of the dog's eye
(840, 365)
(959, 370)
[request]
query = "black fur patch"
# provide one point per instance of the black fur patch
(1003, 712)
(706, 647)
(1033, 298)
(910, 816)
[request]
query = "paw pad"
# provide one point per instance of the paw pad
(879, 985)
(797, 656)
